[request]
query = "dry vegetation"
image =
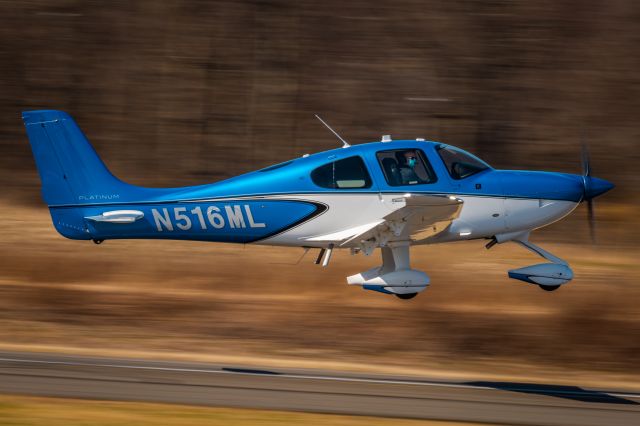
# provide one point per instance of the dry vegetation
(251, 304)
(25, 411)
(185, 92)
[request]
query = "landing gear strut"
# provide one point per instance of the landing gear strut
(548, 276)
(395, 276)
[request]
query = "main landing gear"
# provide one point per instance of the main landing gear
(549, 287)
(406, 296)
(395, 275)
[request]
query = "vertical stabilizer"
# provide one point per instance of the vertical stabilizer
(70, 169)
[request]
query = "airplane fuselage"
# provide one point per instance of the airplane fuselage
(282, 206)
(388, 195)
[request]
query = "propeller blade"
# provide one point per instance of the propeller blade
(586, 158)
(591, 217)
(586, 181)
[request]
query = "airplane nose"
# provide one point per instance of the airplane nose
(595, 186)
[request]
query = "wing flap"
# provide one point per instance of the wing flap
(345, 234)
(420, 217)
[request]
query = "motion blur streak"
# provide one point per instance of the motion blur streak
(318, 391)
(179, 93)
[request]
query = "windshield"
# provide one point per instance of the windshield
(460, 164)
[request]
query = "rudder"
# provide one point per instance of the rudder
(70, 169)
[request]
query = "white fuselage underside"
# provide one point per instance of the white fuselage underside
(480, 217)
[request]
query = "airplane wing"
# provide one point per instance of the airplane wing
(418, 218)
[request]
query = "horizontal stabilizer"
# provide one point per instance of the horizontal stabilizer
(117, 216)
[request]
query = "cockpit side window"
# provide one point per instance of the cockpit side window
(348, 173)
(460, 164)
(406, 167)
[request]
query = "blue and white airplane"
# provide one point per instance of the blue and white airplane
(390, 194)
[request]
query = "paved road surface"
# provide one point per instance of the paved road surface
(314, 390)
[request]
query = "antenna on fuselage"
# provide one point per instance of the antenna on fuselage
(345, 144)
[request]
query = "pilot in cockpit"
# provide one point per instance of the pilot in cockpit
(407, 161)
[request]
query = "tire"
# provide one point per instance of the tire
(549, 287)
(406, 296)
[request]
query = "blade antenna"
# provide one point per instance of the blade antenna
(345, 144)
(306, 250)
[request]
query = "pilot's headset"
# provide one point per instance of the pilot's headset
(401, 159)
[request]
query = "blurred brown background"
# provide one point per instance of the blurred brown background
(176, 93)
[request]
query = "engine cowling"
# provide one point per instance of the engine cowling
(546, 274)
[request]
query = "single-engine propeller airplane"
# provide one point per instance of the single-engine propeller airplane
(390, 194)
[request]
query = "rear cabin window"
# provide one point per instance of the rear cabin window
(406, 167)
(459, 163)
(348, 173)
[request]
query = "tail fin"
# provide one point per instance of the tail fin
(70, 169)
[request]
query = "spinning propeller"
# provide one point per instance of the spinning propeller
(591, 188)
(586, 184)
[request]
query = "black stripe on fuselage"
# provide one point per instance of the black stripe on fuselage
(321, 208)
(300, 194)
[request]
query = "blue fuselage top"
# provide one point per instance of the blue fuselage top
(295, 177)
(77, 186)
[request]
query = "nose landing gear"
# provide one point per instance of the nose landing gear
(548, 276)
